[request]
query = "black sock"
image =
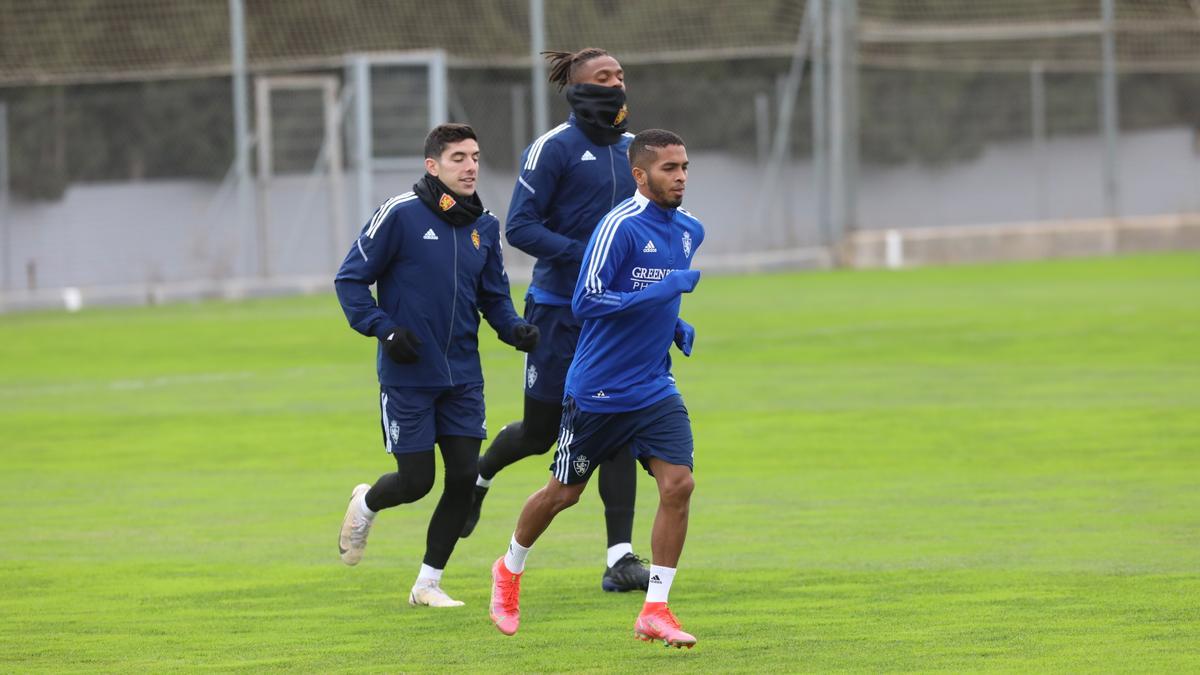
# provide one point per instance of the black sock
(412, 480)
(459, 456)
(618, 491)
(531, 436)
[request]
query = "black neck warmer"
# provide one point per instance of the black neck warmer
(456, 210)
(600, 111)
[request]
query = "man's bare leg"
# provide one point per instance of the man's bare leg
(675, 486)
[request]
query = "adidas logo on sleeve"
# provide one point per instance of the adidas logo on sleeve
(587, 156)
(649, 247)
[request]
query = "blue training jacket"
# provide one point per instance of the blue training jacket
(432, 278)
(629, 315)
(566, 185)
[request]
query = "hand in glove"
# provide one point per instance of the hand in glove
(685, 335)
(525, 337)
(400, 344)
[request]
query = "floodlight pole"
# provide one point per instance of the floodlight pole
(537, 69)
(1037, 112)
(843, 118)
(1109, 109)
(361, 69)
(5, 235)
(241, 111)
(820, 121)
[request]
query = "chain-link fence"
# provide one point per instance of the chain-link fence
(118, 154)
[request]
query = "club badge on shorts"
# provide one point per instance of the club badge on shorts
(446, 202)
(581, 464)
(475, 238)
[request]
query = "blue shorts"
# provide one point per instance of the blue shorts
(546, 367)
(587, 440)
(414, 418)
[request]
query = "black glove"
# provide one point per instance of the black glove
(400, 344)
(525, 337)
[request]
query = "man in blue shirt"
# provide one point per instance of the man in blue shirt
(434, 256)
(620, 395)
(570, 177)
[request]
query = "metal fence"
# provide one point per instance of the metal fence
(132, 168)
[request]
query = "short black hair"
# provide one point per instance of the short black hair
(564, 65)
(445, 134)
(642, 148)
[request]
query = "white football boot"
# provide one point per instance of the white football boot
(430, 594)
(355, 528)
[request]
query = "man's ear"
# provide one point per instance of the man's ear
(431, 166)
(639, 175)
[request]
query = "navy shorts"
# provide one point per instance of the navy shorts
(587, 440)
(546, 367)
(415, 417)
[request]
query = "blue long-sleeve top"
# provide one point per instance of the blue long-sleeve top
(566, 185)
(432, 278)
(622, 361)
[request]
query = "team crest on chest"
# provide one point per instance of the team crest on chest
(475, 238)
(447, 202)
(581, 464)
(687, 244)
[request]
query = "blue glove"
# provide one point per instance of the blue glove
(685, 335)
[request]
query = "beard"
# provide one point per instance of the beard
(664, 198)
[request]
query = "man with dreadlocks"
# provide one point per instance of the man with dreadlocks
(570, 178)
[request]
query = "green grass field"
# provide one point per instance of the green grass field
(962, 469)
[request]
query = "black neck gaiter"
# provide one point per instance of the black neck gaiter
(600, 112)
(456, 210)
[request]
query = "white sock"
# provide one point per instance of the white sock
(660, 583)
(617, 552)
(429, 575)
(483, 482)
(514, 560)
(361, 502)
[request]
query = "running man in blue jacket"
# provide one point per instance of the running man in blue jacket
(621, 398)
(570, 177)
(434, 255)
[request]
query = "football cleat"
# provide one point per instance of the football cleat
(656, 622)
(627, 574)
(506, 593)
(428, 593)
(473, 514)
(355, 527)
